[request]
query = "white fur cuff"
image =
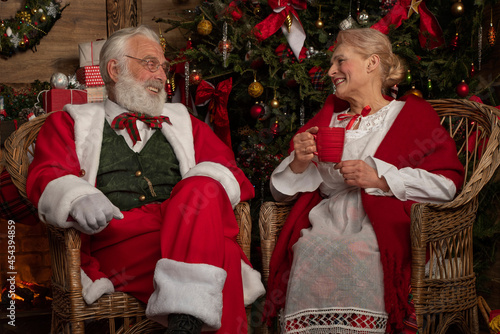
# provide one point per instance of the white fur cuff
(92, 291)
(194, 289)
(220, 173)
(59, 194)
(252, 284)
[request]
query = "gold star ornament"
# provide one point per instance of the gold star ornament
(413, 7)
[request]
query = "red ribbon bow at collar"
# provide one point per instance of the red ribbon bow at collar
(430, 35)
(217, 107)
(271, 24)
(366, 110)
(129, 121)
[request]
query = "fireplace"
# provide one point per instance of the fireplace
(25, 276)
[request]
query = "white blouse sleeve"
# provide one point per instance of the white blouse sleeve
(285, 184)
(412, 183)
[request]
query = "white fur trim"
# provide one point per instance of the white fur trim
(252, 284)
(92, 291)
(220, 173)
(187, 288)
(180, 135)
(55, 203)
(89, 126)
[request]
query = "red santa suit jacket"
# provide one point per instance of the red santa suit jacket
(67, 158)
(417, 140)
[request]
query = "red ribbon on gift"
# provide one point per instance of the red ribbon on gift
(217, 106)
(275, 20)
(430, 35)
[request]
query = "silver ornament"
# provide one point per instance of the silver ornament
(363, 17)
(59, 80)
(348, 23)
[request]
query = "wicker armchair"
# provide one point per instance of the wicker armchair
(120, 312)
(446, 295)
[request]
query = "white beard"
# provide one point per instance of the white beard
(133, 95)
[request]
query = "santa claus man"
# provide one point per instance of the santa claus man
(153, 191)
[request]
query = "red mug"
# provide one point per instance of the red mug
(330, 144)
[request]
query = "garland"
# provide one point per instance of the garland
(28, 27)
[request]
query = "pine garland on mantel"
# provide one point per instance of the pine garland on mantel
(29, 26)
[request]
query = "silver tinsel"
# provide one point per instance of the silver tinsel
(302, 115)
(224, 40)
(186, 81)
(479, 46)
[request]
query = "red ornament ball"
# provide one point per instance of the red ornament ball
(257, 110)
(462, 89)
(195, 78)
(225, 45)
(257, 63)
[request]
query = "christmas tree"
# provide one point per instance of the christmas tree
(276, 54)
(262, 65)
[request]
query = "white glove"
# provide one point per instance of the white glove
(93, 212)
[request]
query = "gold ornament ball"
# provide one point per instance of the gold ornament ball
(43, 18)
(457, 9)
(414, 91)
(257, 10)
(204, 27)
(275, 103)
(319, 24)
(255, 89)
(21, 43)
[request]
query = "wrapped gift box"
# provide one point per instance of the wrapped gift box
(96, 94)
(89, 76)
(55, 99)
(89, 52)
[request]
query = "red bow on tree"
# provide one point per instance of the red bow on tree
(281, 10)
(217, 107)
(233, 10)
(430, 35)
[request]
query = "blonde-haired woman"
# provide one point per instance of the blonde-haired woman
(342, 262)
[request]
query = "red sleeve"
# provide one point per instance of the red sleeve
(208, 147)
(55, 154)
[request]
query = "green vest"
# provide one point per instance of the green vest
(131, 179)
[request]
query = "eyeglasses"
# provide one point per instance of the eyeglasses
(153, 64)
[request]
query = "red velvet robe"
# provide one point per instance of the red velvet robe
(417, 140)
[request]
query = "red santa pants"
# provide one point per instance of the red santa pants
(195, 225)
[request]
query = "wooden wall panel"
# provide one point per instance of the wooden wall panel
(82, 21)
(123, 14)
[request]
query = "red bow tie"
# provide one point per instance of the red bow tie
(129, 121)
(366, 110)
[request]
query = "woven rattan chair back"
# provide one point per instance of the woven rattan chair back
(443, 288)
(113, 313)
